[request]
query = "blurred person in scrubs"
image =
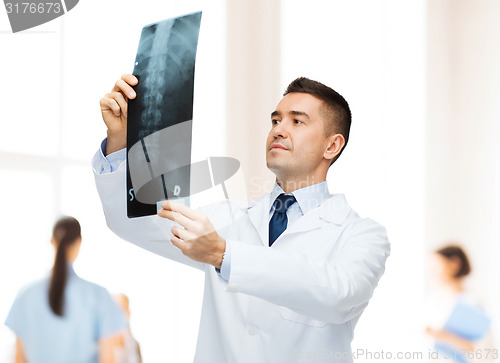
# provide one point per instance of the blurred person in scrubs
(458, 324)
(61, 317)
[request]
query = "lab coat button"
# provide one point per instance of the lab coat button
(232, 287)
(252, 330)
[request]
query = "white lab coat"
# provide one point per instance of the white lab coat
(296, 301)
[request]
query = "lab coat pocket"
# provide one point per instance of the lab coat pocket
(289, 314)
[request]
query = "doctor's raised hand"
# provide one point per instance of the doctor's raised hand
(114, 112)
(197, 239)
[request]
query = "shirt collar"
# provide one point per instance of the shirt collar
(308, 198)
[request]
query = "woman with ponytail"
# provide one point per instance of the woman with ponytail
(63, 318)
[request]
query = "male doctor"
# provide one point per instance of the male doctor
(288, 275)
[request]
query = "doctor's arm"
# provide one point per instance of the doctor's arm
(151, 232)
(333, 288)
(114, 107)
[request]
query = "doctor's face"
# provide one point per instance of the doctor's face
(297, 140)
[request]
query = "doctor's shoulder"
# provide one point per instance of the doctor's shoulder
(356, 229)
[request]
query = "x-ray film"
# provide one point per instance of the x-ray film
(159, 121)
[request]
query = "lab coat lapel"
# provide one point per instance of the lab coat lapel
(259, 217)
(306, 223)
(333, 210)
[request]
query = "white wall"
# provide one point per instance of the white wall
(462, 138)
(253, 87)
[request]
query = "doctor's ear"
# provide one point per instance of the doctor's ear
(335, 144)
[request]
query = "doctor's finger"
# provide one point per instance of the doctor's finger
(124, 87)
(109, 103)
(130, 79)
(180, 244)
(181, 208)
(119, 99)
(177, 218)
(182, 233)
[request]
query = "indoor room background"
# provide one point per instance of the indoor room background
(423, 83)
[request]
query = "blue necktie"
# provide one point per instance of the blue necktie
(279, 220)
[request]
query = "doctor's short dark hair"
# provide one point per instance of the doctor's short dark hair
(336, 111)
(455, 252)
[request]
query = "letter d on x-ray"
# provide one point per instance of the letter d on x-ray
(177, 190)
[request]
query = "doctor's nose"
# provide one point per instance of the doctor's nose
(279, 130)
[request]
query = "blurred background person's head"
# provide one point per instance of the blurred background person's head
(450, 266)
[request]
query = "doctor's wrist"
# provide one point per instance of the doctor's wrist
(116, 141)
(219, 254)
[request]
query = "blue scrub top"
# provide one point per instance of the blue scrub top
(89, 314)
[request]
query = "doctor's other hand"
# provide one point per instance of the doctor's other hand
(114, 106)
(198, 239)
